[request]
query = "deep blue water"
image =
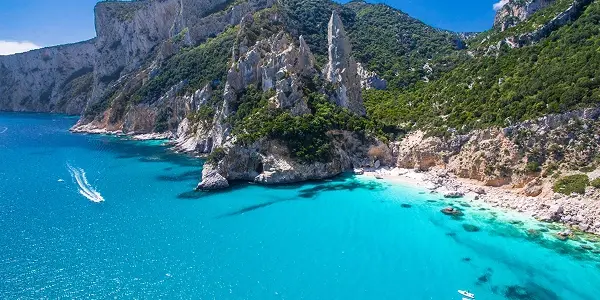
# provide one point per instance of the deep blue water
(153, 237)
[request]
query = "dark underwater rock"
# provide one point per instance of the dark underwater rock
(471, 228)
(451, 211)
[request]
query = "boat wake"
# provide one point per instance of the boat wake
(85, 189)
(3, 129)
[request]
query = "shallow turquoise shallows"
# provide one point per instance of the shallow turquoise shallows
(152, 237)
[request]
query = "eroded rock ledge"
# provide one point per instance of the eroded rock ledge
(518, 165)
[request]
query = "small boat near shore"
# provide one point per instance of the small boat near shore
(467, 294)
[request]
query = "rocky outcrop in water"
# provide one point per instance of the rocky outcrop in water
(342, 70)
(270, 162)
(55, 79)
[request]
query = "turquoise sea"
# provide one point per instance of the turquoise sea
(152, 237)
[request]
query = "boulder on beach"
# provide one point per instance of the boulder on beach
(552, 214)
(454, 194)
(359, 171)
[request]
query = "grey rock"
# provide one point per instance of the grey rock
(342, 70)
(454, 194)
(212, 180)
(514, 12)
(55, 79)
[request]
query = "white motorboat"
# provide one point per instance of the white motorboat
(467, 294)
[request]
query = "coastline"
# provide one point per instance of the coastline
(575, 212)
(132, 135)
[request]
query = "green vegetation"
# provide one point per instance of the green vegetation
(306, 136)
(181, 35)
(595, 183)
(559, 74)
(384, 39)
(533, 167)
(195, 67)
(572, 184)
(204, 115)
(395, 45)
(309, 18)
(537, 20)
(215, 156)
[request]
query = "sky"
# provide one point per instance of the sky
(31, 24)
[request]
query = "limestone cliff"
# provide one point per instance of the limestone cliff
(55, 79)
(515, 11)
(134, 37)
(284, 69)
(342, 70)
(553, 13)
(523, 156)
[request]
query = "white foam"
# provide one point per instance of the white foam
(85, 189)
(3, 129)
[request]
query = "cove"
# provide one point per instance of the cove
(346, 238)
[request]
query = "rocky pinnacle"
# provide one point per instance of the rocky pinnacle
(342, 70)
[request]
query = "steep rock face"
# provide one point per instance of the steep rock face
(564, 17)
(269, 162)
(127, 33)
(342, 70)
(515, 155)
(516, 11)
(273, 64)
(54, 79)
(130, 32)
(134, 41)
(281, 67)
(370, 80)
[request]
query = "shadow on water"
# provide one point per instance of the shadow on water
(42, 153)
(343, 182)
(197, 195)
(249, 209)
(529, 291)
(185, 176)
(341, 185)
(485, 278)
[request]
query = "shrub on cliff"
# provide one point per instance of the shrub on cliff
(533, 167)
(595, 183)
(572, 184)
(215, 156)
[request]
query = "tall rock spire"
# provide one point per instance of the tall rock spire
(342, 70)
